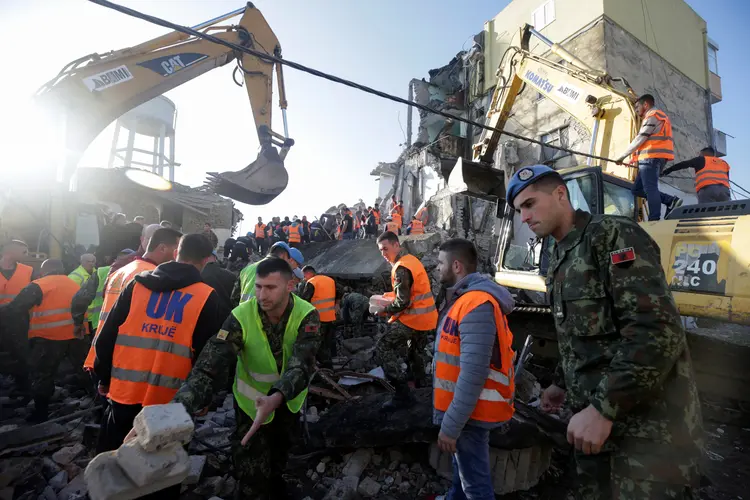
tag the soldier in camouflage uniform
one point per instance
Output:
(625, 364)
(354, 311)
(413, 318)
(260, 451)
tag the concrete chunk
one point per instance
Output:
(197, 462)
(64, 456)
(146, 467)
(76, 488)
(368, 488)
(357, 463)
(159, 425)
(107, 481)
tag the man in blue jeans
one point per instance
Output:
(472, 366)
(652, 148)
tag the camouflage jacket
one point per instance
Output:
(401, 287)
(622, 345)
(214, 365)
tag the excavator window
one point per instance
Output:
(618, 200)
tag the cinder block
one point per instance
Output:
(160, 425)
(145, 467)
(107, 481)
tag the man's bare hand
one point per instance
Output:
(552, 399)
(103, 390)
(588, 430)
(79, 331)
(264, 405)
(446, 444)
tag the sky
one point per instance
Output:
(341, 134)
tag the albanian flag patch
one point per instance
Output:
(622, 256)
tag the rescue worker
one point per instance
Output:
(222, 281)
(324, 293)
(413, 317)
(272, 339)
(626, 368)
(347, 224)
(354, 311)
(376, 212)
(209, 233)
(397, 207)
(158, 327)
(244, 288)
(398, 220)
(651, 149)
(305, 229)
(14, 276)
(392, 227)
(473, 382)
(711, 176)
(160, 249)
(294, 233)
(422, 214)
(51, 334)
(416, 227)
(146, 234)
(82, 273)
(260, 236)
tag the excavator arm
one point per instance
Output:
(91, 92)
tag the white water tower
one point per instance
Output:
(154, 121)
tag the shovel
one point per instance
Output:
(258, 183)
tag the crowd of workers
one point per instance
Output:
(170, 324)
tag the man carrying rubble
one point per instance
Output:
(413, 317)
(244, 288)
(146, 346)
(472, 369)
(51, 334)
(272, 339)
(637, 427)
(324, 293)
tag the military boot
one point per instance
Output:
(401, 399)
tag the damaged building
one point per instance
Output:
(606, 35)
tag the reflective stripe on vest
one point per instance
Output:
(324, 297)
(392, 227)
(421, 313)
(20, 278)
(260, 231)
(79, 275)
(256, 366)
(95, 308)
(657, 146)
(52, 318)
(715, 171)
(293, 232)
(114, 285)
(397, 219)
(376, 213)
(154, 349)
(495, 402)
(417, 227)
(247, 282)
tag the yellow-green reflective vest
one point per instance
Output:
(247, 281)
(79, 275)
(95, 308)
(256, 366)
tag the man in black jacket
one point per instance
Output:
(167, 282)
(222, 281)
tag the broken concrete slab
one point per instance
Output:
(420, 244)
(65, 455)
(160, 425)
(76, 488)
(357, 463)
(144, 467)
(351, 259)
(357, 344)
(107, 481)
(197, 462)
(59, 481)
(19, 438)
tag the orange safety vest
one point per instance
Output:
(153, 354)
(324, 298)
(392, 227)
(657, 146)
(52, 319)
(116, 283)
(293, 233)
(17, 282)
(260, 230)
(421, 213)
(417, 227)
(376, 213)
(715, 171)
(421, 314)
(495, 403)
(397, 219)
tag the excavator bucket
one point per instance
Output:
(257, 184)
(476, 179)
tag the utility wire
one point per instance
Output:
(273, 59)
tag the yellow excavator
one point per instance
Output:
(704, 247)
(92, 91)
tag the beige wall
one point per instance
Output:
(670, 28)
(570, 16)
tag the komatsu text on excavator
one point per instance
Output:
(704, 248)
(94, 90)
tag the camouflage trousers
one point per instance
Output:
(45, 358)
(631, 476)
(259, 465)
(327, 350)
(399, 345)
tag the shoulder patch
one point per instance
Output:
(525, 174)
(622, 256)
(222, 335)
(311, 328)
